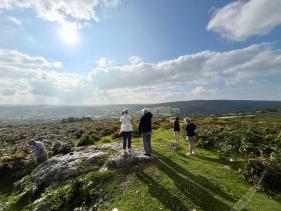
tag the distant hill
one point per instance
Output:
(219, 107)
(14, 114)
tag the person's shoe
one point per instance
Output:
(188, 154)
(125, 151)
(193, 153)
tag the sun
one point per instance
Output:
(69, 36)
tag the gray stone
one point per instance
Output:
(61, 167)
(127, 159)
(83, 159)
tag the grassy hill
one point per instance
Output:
(46, 113)
(171, 181)
(179, 182)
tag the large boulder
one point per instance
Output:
(122, 159)
(83, 159)
(61, 167)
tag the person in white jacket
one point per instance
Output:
(126, 129)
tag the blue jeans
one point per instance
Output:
(127, 136)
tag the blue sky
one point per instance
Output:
(138, 51)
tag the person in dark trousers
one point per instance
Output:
(145, 130)
(177, 130)
(190, 135)
(126, 129)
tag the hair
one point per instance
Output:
(125, 111)
(31, 141)
(144, 111)
(187, 120)
(177, 118)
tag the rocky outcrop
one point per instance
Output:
(61, 167)
(127, 159)
(83, 159)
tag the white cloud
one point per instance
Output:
(73, 14)
(15, 20)
(135, 60)
(29, 79)
(241, 19)
(198, 90)
(103, 63)
(9, 92)
(200, 68)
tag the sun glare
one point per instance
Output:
(69, 36)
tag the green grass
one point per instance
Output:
(175, 181)
(172, 181)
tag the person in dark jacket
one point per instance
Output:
(177, 130)
(145, 130)
(190, 135)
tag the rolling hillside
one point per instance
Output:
(46, 113)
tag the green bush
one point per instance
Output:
(60, 148)
(85, 141)
(94, 138)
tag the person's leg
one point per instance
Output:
(194, 145)
(189, 145)
(149, 144)
(145, 145)
(177, 136)
(124, 135)
(129, 139)
(41, 159)
(192, 141)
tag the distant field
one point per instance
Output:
(15, 115)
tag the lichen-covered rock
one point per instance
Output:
(61, 167)
(127, 159)
(83, 159)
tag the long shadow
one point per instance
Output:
(234, 164)
(200, 190)
(199, 179)
(169, 200)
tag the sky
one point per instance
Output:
(89, 52)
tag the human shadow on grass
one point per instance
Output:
(233, 164)
(169, 200)
(200, 190)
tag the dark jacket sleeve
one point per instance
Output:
(140, 125)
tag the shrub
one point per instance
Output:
(255, 168)
(94, 138)
(85, 140)
(106, 132)
(59, 148)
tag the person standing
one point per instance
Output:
(177, 130)
(145, 131)
(126, 129)
(190, 135)
(40, 152)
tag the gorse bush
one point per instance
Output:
(60, 148)
(84, 141)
